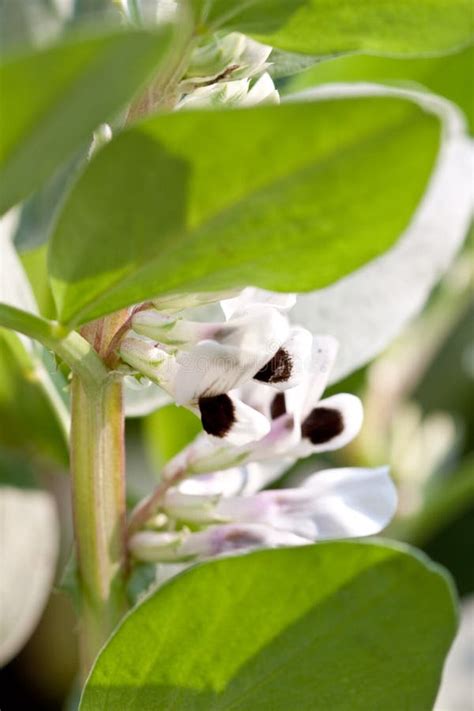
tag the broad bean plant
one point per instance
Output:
(224, 235)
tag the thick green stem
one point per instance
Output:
(97, 463)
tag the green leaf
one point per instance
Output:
(33, 411)
(34, 263)
(38, 212)
(326, 26)
(342, 625)
(287, 197)
(54, 98)
(16, 470)
(370, 307)
(449, 76)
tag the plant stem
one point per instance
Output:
(68, 345)
(97, 464)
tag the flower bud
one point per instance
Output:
(232, 94)
(211, 60)
(200, 509)
(149, 360)
(233, 56)
(173, 331)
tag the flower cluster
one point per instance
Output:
(255, 380)
(257, 383)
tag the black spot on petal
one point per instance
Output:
(322, 425)
(240, 539)
(277, 370)
(278, 406)
(217, 414)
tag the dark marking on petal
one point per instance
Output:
(278, 406)
(217, 414)
(240, 539)
(322, 425)
(277, 370)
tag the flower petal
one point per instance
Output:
(225, 416)
(234, 538)
(330, 504)
(262, 92)
(173, 331)
(290, 364)
(224, 483)
(212, 367)
(261, 474)
(300, 400)
(332, 424)
(214, 96)
(247, 479)
(192, 508)
(150, 360)
(252, 296)
(351, 501)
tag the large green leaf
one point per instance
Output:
(54, 98)
(334, 626)
(327, 26)
(33, 412)
(370, 307)
(450, 76)
(287, 197)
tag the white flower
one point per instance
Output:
(239, 331)
(261, 428)
(156, 547)
(227, 416)
(290, 364)
(301, 423)
(200, 377)
(200, 364)
(222, 415)
(336, 503)
(235, 355)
